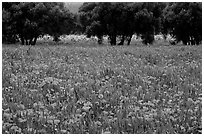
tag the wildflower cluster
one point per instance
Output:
(62, 90)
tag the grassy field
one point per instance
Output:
(121, 89)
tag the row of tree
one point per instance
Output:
(28, 21)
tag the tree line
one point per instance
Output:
(26, 21)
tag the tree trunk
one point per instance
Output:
(193, 42)
(122, 40)
(56, 38)
(164, 36)
(113, 40)
(26, 41)
(22, 40)
(185, 42)
(129, 39)
(35, 40)
(197, 42)
(31, 40)
(100, 39)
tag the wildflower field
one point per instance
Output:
(115, 90)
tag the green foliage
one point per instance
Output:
(86, 14)
(123, 20)
(8, 31)
(144, 19)
(29, 20)
(60, 21)
(111, 90)
(184, 22)
(117, 20)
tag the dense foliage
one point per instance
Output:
(102, 90)
(184, 22)
(117, 20)
(29, 20)
(144, 19)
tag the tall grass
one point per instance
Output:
(61, 89)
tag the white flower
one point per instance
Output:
(86, 108)
(100, 96)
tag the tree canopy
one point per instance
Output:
(122, 20)
(144, 19)
(184, 22)
(29, 20)
(117, 20)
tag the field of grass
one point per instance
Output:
(120, 89)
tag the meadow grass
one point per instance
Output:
(111, 89)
